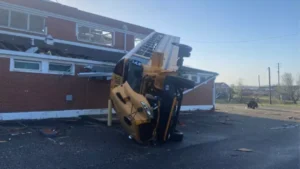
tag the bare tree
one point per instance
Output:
(289, 88)
(238, 90)
(231, 92)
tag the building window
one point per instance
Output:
(27, 65)
(43, 66)
(60, 68)
(22, 21)
(83, 33)
(202, 79)
(37, 24)
(195, 79)
(18, 20)
(137, 41)
(94, 35)
(186, 76)
(4, 14)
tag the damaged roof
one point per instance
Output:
(68, 11)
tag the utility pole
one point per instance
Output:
(269, 69)
(278, 71)
(258, 81)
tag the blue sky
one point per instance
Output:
(237, 39)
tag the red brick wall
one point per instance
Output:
(37, 92)
(129, 42)
(202, 95)
(119, 40)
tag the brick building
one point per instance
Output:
(47, 50)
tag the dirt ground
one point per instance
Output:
(291, 113)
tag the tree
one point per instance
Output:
(238, 90)
(231, 92)
(289, 88)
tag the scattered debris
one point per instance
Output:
(285, 126)
(244, 150)
(52, 140)
(225, 123)
(233, 155)
(14, 134)
(63, 137)
(9, 139)
(3, 141)
(61, 143)
(49, 132)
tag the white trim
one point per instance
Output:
(95, 74)
(214, 94)
(24, 55)
(49, 14)
(37, 115)
(62, 41)
(205, 82)
(196, 107)
(125, 41)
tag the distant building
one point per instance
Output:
(203, 95)
(222, 90)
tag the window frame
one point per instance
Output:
(8, 19)
(13, 68)
(29, 19)
(72, 69)
(28, 22)
(43, 66)
(195, 76)
(90, 30)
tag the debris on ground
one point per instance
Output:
(14, 134)
(285, 126)
(61, 143)
(3, 141)
(63, 137)
(52, 140)
(244, 150)
(225, 123)
(49, 132)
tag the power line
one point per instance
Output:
(246, 41)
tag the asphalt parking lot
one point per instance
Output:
(211, 141)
